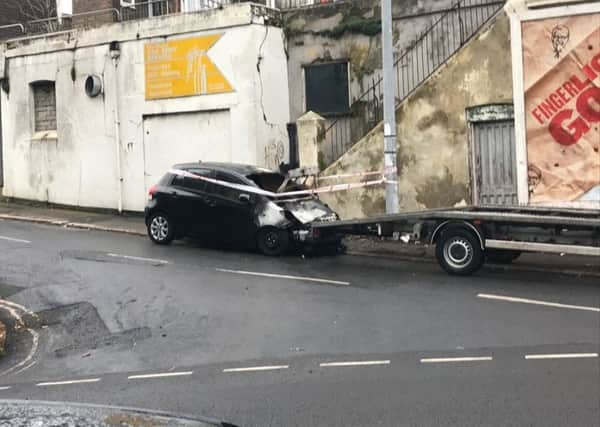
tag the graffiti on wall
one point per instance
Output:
(561, 71)
(274, 154)
(182, 68)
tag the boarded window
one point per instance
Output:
(44, 102)
(327, 88)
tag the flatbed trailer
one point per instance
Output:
(465, 237)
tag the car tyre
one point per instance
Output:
(160, 229)
(459, 252)
(273, 241)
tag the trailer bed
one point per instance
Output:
(466, 237)
(516, 214)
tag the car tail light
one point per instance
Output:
(151, 192)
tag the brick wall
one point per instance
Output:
(143, 9)
(10, 14)
(17, 11)
(44, 101)
(80, 6)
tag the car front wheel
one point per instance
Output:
(273, 241)
(160, 229)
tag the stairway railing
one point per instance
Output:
(425, 55)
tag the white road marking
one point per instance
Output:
(19, 306)
(257, 368)
(12, 308)
(561, 356)
(355, 363)
(137, 258)
(24, 368)
(456, 359)
(284, 276)
(537, 302)
(161, 375)
(12, 239)
(86, 381)
(4, 388)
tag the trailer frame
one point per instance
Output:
(466, 237)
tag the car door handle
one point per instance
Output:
(174, 193)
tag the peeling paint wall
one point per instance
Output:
(433, 156)
(79, 165)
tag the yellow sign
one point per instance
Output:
(182, 68)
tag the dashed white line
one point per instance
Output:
(537, 302)
(12, 239)
(355, 363)
(561, 356)
(4, 388)
(161, 375)
(284, 276)
(257, 368)
(53, 383)
(456, 359)
(137, 258)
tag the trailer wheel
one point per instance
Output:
(502, 256)
(459, 252)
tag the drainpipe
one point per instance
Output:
(115, 54)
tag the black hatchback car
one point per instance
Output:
(191, 200)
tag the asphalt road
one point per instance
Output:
(295, 341)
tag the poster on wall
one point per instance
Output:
(561, 76)
(180, 68)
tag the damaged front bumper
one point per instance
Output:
(316, 236)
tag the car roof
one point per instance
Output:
(238, 168)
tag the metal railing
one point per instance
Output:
(145, 10)
(419, 61)
(296, 4)
(12, 30)
(51, 25)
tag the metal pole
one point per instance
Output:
(115, 54)
(389, 111)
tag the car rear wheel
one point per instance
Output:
(273, 241)
(160, 229)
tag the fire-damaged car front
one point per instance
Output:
(296, 213)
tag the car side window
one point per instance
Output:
(177, 181)
(227, 192)
(195, 183)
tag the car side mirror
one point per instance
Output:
(244, 198)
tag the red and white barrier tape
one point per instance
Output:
(256, 190)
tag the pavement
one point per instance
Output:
(18, 413)
(128, 223)
(132, 223)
